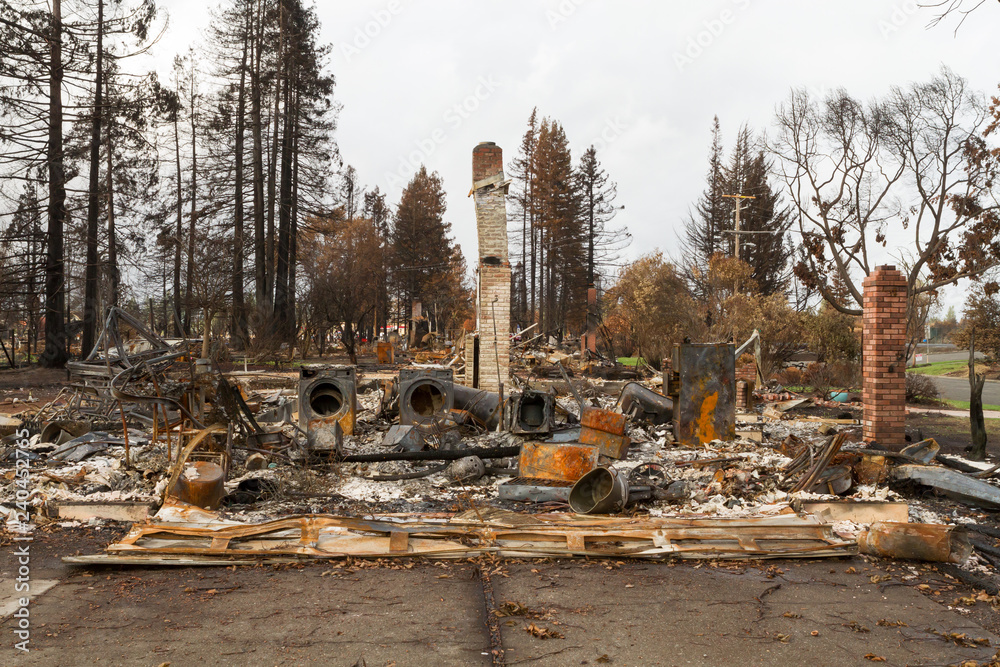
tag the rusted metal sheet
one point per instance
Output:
(606, 431)
(566, 462)
(201, 483)
(952, 483)
(858, 511)
(328, 395)
(705, 409)
(385, 353)
(916, 541)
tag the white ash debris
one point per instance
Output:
(920, 514)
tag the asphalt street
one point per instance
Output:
(957, 389)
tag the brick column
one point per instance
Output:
(884, 357)
(746, 378)
(490, 191)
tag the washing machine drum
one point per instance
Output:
(327, 398)
(422, 399)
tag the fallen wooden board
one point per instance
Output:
(183, 561)
(953, 483)
(862, 511)
(501, 533)
(111, 511)
(757, 436)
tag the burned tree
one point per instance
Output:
(859, 176)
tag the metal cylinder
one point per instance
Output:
(600, 491)
(916, 541)
(644, 403)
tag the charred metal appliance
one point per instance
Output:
(547, 471)
(703, 389)
(605, 430)
(426, 393)
(328, 395)
(639, 402)
(530, 413)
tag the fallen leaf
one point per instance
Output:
(542, 633)
(874, 658)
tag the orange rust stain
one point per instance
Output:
(706, 422)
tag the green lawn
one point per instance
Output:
(630, 361)
(941, 368)
(964, 405)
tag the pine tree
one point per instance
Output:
(597, 203)
(523, 224)
(424, 257)
(703, 231)
(562, 259)
(764, 223)
(768, 251)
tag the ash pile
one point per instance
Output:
(410, 460)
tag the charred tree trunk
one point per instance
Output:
(55, 352)
(238, 324)
(188, 291)
(977, 451)
(269, 259)
(114, 275)
(260, 267)
(281, 301)
(178, 240)
(90, 314)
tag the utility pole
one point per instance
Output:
(739, 207)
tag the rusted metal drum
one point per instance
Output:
(600, 491)
(201, 483)
(916, 541)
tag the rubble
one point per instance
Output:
(340, 460)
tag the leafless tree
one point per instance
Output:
(908, 164)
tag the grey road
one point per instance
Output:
(808, 612)
(949, 356)
(957, 389)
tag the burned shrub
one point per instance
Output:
(920, 387)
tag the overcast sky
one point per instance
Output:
(426, 80)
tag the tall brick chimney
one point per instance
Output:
(884, 358)
(493, 303)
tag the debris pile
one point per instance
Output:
(334, 461)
